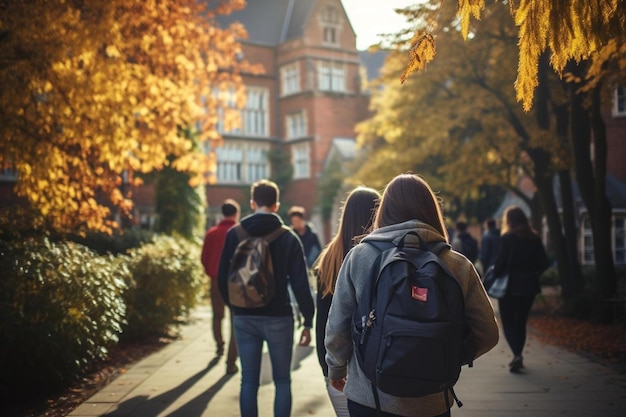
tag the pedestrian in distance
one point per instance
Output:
(465, 243)
(308, 237)
(409, 212)
(273, 321)
(523, 257)
(211, 254)
(355, 222)
(489, 245)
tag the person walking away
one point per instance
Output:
(464, 243)
(308, 237)
(523, 256)
(489, 245)
(408, 205)
(211, 254)
(355, 223)
(272, 323)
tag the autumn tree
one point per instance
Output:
(458, 122)
(567, 34)
(93, 89)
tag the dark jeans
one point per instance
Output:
(514, 311)
(358, 410)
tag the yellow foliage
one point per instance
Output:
(422, 52)
(90, 92)
(568, 30)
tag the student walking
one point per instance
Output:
(355, 223)
(523, 257)
(272, 323)
(211, 253)
(489, 245)
(408, 212)
(308, 237)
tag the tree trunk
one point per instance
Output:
(544, 172)
(573, 283)
(592, 184)
(606, 275)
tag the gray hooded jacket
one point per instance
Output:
(351, 282)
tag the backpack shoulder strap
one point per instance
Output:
(270, 237)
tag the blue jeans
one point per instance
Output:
(250, 333)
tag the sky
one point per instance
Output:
(372, 17)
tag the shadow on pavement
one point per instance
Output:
(154, 406)
(196, 406)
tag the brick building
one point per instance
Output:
(310, 94)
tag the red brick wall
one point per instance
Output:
(616, 138)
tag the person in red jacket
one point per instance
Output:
(211, 254)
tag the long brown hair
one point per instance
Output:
(409, 197)
(356, 221)
(514, 220)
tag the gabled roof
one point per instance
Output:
(271, 22)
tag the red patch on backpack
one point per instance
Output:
(419, 294)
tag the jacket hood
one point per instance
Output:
(394, 233)
(259, 224)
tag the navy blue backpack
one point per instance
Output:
(409, 332)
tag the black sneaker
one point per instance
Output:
(516, 364)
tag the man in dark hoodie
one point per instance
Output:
(273, 323)
(308, 237)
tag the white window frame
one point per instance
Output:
(226, 103)
(619, 102)
(229, 163)
(255, 115)
(586, 246)
(296, 125)
(331, 76)
(256, 165)
(301, 160)
(242, 163)
(290, 79)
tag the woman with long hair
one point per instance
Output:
(355, 222)
(408, 205)
(524, 258)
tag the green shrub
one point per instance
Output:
(167, 281)
(120, 242)
(61, 306)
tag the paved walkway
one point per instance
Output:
(181, 380)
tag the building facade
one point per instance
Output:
(309, 94)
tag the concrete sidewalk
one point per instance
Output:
(182, 380)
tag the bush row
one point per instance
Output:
(62, 306)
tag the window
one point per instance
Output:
(331, 23)
(226, 101)
(257, 165)
(620, 240)
(619, 107)
(296, 125)
(301, 161)
(331, 76)
(254, 115)
(290, 78)
(229, 161)
(239, 163)
(330, 35)
(587, 246)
